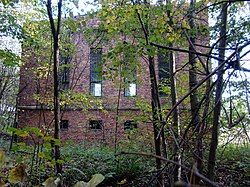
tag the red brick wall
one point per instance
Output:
(31, 84)
(30, 113)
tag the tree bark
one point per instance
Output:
(194, 101)
(155, 101)
(218, 93)
(155, 115)
(176, 118)
(55, 29)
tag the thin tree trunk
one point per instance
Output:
(55, 29)
(176, 117)
(156, 124)
(194, 101)
(218, 94)
(117, 109)
(155, 101)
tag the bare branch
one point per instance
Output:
(173, 162)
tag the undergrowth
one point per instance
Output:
(233, 165)
(81, 163)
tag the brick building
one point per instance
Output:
(100, 108)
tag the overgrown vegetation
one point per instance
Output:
(196, 115)
(81, 162)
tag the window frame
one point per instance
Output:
(93, 74)
(128, 82)
(131, 125)
(127, 91)
(163, 65)
(98, 122)
(64, 72)
(62, 122)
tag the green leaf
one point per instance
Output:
(8, 58)
(41, 155)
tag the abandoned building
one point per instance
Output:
(100, 108)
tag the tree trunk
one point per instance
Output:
(176, 117)
(55, 29)
(156, 124)
(218, 94)
(155, 101)
(194, 101)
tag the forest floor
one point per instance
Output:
(81, 162)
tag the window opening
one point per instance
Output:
(64, 124)
(130, 80)
(163, 72)
(96, 72)
(129, 125)
(64, 72)
(95, 124)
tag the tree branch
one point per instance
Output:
(173, 162)
(184, 51)
(200, 83)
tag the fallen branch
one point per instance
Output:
(194, 171)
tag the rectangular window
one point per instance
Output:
(64, 72)
(129, 125)
(130, 90)
(163, 71)
(96, 89)
(130, 81)
(95, 124)
(64, 124)
(96, 72)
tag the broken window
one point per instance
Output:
(163, 72)
(64, 72)
(130, 80)
(96, 72)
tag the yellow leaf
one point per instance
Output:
(124, 181)
(51, 182)
(185, 25)
(2, 184)
(2, 158)
(95, 180)
(23, 134)
(81, 184)
(17, 174)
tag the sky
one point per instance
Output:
(245, 61)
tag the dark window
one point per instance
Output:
(64, 72)
(64, 124)
(163, 71)
(95, 124)
(95, 72)
(129, 125)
